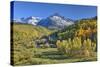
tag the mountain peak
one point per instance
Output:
(29, 20)
(55, 21)
(56, 14)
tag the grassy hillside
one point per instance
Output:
(23, 41)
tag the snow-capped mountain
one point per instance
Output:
(29, 20)
(32, 20)
(55, 22)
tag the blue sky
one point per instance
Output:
(43, 10)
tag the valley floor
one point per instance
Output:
(52, 56)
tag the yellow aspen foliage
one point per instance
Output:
(76, 46)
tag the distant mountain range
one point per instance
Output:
(54, 21)
(29, 20)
